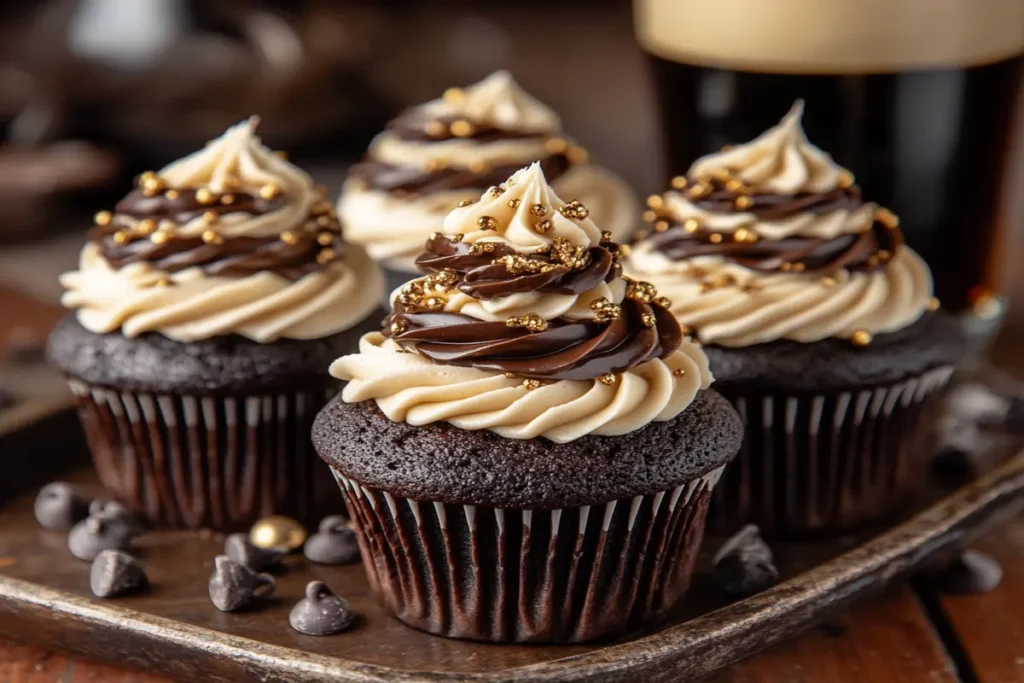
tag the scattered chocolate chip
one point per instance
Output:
(743, 565)
(241, 550)
(333, 543)
(95, 534)
(321, 612)
(58, 506)
(969, 573)
(115, 513)
(115, 572)
(234, 586)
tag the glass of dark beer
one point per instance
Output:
(921, 99)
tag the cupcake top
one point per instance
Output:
(450, 149)
(771, 240)
(232, 239)
(526, 327)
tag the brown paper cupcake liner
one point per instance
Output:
(208, 462)
(817, 462)
(503, 575)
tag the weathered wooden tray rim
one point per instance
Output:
(692, 649)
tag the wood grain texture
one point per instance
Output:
(26, 664)
(990, 627)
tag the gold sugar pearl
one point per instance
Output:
(431, 165)
(538, 210)
(479, 166)
(577, 155)
(744, 235)
(786, 266)
(663, 301)
(487, 223)
(648, 319)
(861, 338)
(691, 225)
(655, 201)
(543, 226)
(325, 256)
(845, 179)
(289, 237)
(714, 238)
(211, 237)
(799, 267)
(510, 375)
(464, 203)
(172, 194)
(555, 145)
(608, 379)
(103, 218)
(398, 327)
(661, 226)
(933, 304)
(457, 237)
(734, 186)
(514, 203)
(146, 226)
(884, 255)
(210, 216)
(121, 237)
(325, 239)
(454, 95)
(324, 221)
(461, 128)
(606, 236)
(531, 384)
(649, 216)
(204, 196)
(270, 191)
(744, 202)
(679, 182)
(496, 191)
(277, 531)
(678, 372)
(699, 190)
(160, 237)
(828, 281)
(227, 199)
(434, 303)
(434, 129)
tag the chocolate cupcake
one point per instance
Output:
(206, 306)
(819, 323)
(448, 151)
(529, 446)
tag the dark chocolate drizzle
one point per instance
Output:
(227, 256)
(380, 176)
(412, 124)
(566, 349)
(863, 251)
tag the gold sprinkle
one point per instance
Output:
(398, 327)
(828, 281)
(845, 179)
(461, 128)
(324, 221)
(655, 201)
(624, 251)
(641, 291)
(434, 303)
(699, 191)
(454, 95)
(163, 282)
(211, 237)
(786, 266)
(679, 182)
(678, 372)
(496, 191)
(479, 166)
(281, 154)
(577, 155)
(933, 304)
(606, 236)
(543, 226)
(325, 256)
(555, 145)
(172, 194)
(510, 375)
(487, 223)
(104, 218)
(861, 338)
(479, 248)
(325, 239)
(605, 310)
(211, 217)
(457, 237)
(531, 384)
(734, 186)
(204, 196)
(721, 174)
(608, 379)
(514, 203)
(227, 199)
(649, 216)
(887, 218)
(465, 202)
(714, 238)
(434, 129)
(160, 236)
(744, 202)
(270, 191)
(663, 301)
(146, 226)
(289, 237)
(121, 237)
(648, 319)
(538, 210)
(884, 254)
(661, 226)
(431, 165)
(691, 225)
(531, 322)
(799, 267)
(744, 235)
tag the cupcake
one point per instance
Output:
(448, 151)
(529, 446)
(206, 306)
(819, 323)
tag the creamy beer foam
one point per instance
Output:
(831, 36)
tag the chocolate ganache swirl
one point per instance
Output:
(772, 240)
(451, 149)
(232, 239)
(525, 325)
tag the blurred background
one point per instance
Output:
(921, 98)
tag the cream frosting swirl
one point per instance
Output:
(410, 387)
(190, 304)
(393, 227)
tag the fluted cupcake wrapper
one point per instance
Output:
(817, 462)
(205, 461)
(502, 575)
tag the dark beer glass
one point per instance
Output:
(921, 99)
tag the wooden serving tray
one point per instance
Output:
(174, 629)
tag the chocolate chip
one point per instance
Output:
(234, 586)
(58, 506)
(969, 573)
(95, 534)
(115, 572)
(241, 550)
(743, 565)
(321, 612)
(333, 543)
(114, 513)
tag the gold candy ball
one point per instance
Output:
(277, 531)
(861, 338)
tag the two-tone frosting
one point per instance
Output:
(232, 239)
(771, 240)
(525, 326)
(451, 149)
